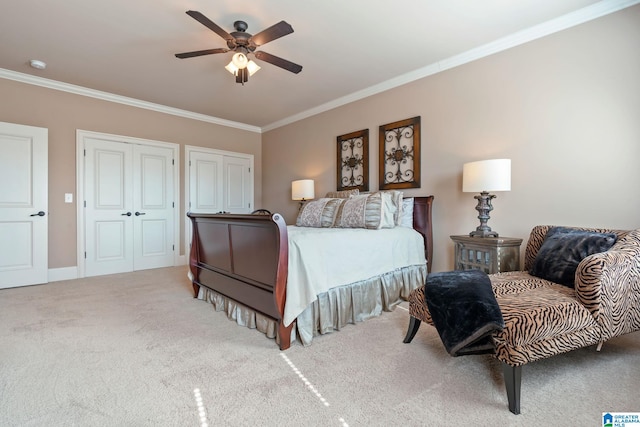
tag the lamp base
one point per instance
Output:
(483, 233)
(484, 207)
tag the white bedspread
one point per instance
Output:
(324, 258)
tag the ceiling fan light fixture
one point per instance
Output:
(252, 67)
(230, 67)
(242, 74)
(240, 60)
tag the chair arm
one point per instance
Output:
(608, 285)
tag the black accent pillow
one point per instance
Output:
(563, 249)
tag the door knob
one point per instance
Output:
(41, 213)
(127, 214)
(140, 213)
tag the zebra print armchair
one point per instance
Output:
(543, 318)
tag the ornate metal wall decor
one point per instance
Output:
(400, 154)
(353, 161)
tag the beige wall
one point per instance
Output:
(62, 113)
(565, 109)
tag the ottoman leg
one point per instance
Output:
(512, 380)
(414, 325)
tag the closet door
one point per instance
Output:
(217, 181)
(153, 204)
(237, 179)
(129, 205)
(108, 207)
(205, 182)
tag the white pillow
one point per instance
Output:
(406, 218)
(389, 210)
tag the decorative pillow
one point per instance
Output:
(366, 211)
(406, 217)
(563, 249)
(390, 208)
(344, 194)
(396, 197)
(319, 213)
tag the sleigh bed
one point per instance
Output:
(294, 282)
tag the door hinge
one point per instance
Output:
(249, 170)
(85, 203)
(85, 152)
(85, 255)
(173, 247)
(173, 162)
(173, 204)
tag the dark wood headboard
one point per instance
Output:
(422, 224)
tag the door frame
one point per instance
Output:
(80, 196)
(188, 149)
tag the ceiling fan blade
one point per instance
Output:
(209, 24)
(273, 32)
(200, 53)
(278, 62)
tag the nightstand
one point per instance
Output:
(489, 254)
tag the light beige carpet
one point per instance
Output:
(137, 350)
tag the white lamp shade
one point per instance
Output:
(302, 189)
(486, 175)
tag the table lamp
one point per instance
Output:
(302, 190)
(482, 177)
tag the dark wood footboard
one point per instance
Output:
(244, 258)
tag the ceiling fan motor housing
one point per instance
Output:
(240, 26)
(241, 41)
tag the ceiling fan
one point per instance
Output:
(243, 44)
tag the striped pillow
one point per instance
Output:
(319, 213)
(344, 194)
(372, 211)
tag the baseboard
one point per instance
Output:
(70, 273)
(64, 273)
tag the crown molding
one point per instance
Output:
(563, 22)
(106, 96)
(569, 20)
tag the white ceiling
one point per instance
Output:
(348, 48)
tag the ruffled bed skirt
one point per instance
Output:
(333, 309)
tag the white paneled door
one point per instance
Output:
(130, 204)
(205, 182)
(220, 182)
(23, 205)
(238, 185)
(217, 181)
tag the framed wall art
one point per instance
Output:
(400, 154)
(353, 161)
